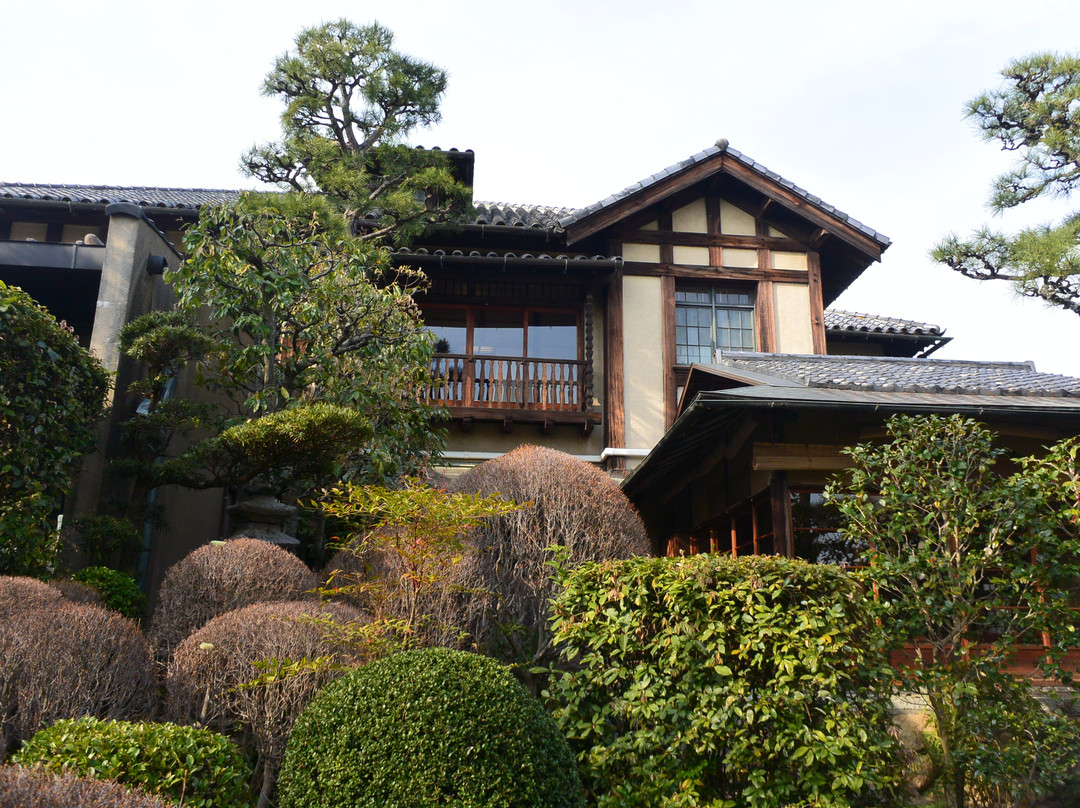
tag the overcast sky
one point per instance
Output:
(564, 103)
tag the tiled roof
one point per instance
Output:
(541, 217)
(182, 198)
(839, 320)
(712, 151)
(902, 375)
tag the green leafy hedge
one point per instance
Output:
(118, 590)
(756, 682)
(192, 767)
(51, 394)
(428, 728)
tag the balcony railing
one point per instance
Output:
(508, 382)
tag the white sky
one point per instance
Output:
(566, 102)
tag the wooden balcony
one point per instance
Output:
(514, 389)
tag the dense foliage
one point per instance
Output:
(564, 502)
(51, 395)
(118, 590)
(350, 101)
(65, 660)
(757, 682)
(427, 728)
(1035, 114)
(222, 576)
(184, 765)
(22, 787)
(971, 561)
(19, 593)
(210, 673)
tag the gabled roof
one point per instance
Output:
(839, 320)
(174, 198)
(720, 149)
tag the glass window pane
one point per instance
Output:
(448, 326)
(499, 333)
(553, 335)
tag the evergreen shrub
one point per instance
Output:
(118, 590)
(188, 766)
(703, 680)
(217, 578)
(23, 787)
(433, 727)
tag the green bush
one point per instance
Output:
(427, 728)
(117, 589)
(22, 787)
(193, 767)
(51, 394)
(101, 537)
(757, 682)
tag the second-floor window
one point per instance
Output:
(504, 332)
(711, 317)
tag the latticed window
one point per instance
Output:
(711, 317)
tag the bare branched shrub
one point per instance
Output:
(565, 502)
(18, 593)
(218, 578)
(22, 787)
(306, 649)
(76, 591)
(67, 660)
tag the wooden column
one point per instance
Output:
(766, 317)
(817, 304)
(780, 498)
(587, 381)
(614, 387)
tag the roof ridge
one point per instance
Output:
(922, 361)
(4, 184)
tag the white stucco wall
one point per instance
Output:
(793, 331)
(643, 359)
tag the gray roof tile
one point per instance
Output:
(851, 321)
(180, 198)
(889, 374)
(510, 215)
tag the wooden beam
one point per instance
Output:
(639, 200)
(766, 317)
(707, 240)
(799, 457)
(725, 450)
(714, 272)
(817, 303)
(820, 236)
(807, 210)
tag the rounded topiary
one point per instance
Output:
(433, 727)
(19, 593)
(208, 668)
(219, 577)
(65, 660)
(565, 502)
(118, 590)
(77, 592)
(23, 787)
(181, 764)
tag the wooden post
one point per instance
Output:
(614, 392)
(780, 498)
(734, 539)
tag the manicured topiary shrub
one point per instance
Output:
(695, 681)
(23, 787)
(427, 728)
(19, 593)
(65, 660)
(218, 578)
(208, 668)
(565, 502)
(118, 590)
(184, 765)
(77, 592)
